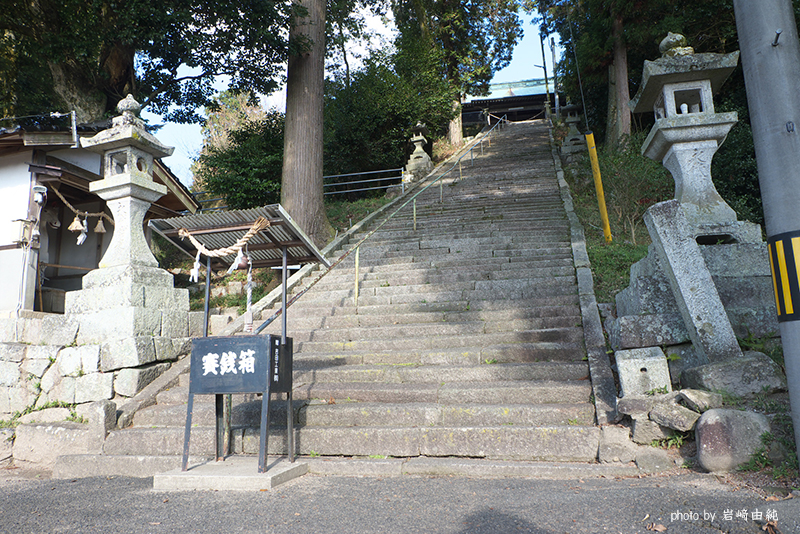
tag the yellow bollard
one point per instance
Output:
(598, 185)
(355, 292)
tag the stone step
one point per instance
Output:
(571, 443)
(386, 330)
(494, 392)
(360, 414)
(514, 353)
(369, 277)
(564, 336)
(398, 296)
(494, 321)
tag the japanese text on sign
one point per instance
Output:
(229, 363)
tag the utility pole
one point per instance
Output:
(770, 54)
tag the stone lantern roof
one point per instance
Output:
(680, 64)
(127, 130)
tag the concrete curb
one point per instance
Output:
(603, 386)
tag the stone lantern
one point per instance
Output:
(678, 88)
(419, 163)
(129, 306)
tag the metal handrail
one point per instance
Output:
(400, 176)
(503, 120)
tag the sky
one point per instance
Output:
(187, 139)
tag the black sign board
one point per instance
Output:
(239, 364)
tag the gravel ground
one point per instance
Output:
(682, 503)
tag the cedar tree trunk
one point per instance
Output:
(301, 180)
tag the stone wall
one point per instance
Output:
(45, 365)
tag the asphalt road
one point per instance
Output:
(317, 504)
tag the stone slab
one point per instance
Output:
(41, 444)
(642, 370)
(233, 474)
(691, 282)
(745, 376)
(637, 331)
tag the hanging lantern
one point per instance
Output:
(76, 225)
(100, 228)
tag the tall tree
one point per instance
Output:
(475, 37)
(166, 53)
(301, 180)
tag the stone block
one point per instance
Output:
(700, 401)
(640, 405)
(637, 331)
(615, 445)
(99, 326)
(129, 382)
(674, 416)
(646, 296)
(6, 443)
(41, 444)
(165, 348)
(94, 387)
(745, 376)
(50, 378)
(737, 259)
(127, 276)
(99, 413)
(49, 415)
(680, 357)
(217, 323)
(35, 366)
(181, 346)
(64, 390)
(5, 404)
(691, 283)
(646, 431)
(175, 323)
(12, 352)
(653, 460)
(9, 373)
(69, 361)
(196, 319)
(642, 370)
(129, 352)
(59, 330)
(728, 438)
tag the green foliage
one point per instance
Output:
(632, 183)
(248, 172)
(474, 37)
(674, 441)
(758, 461)
(768, 344)
(98, 51)
(343, 213)
(368, 121)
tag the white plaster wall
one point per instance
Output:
(15, 183)
(85, 255)
(82, 158)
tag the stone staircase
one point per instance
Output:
(466, 339)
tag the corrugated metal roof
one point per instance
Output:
(224, 228)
